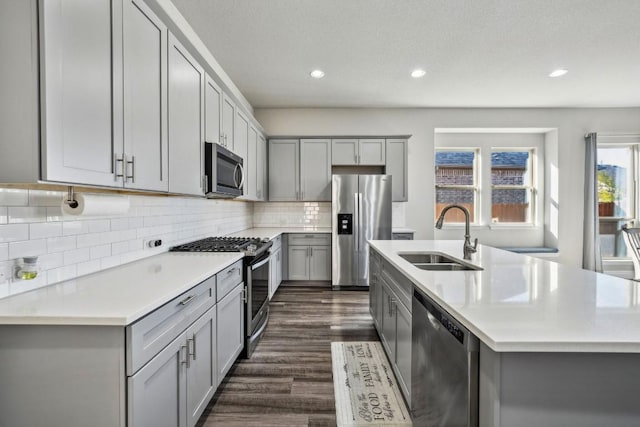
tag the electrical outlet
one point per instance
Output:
(6, 273)
(154, 243)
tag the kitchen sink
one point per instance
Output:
(434, 261)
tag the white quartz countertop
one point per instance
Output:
(519, 303)
(117, 296)
(272, 232)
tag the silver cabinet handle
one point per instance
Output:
(187, 300)
(117, 160)
(192, 340)
(205, 183)
(132, 162)
(186, 360)
(311, 251)
(244, 294)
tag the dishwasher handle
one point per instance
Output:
(440, 319)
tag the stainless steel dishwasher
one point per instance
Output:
(444, 368)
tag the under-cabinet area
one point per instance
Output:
(78, 361)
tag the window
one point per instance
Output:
(511, 186)
(456, 182)
(616, 195)
(497, 176)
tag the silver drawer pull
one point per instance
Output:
(231, 271)
(187, 300)
(186, 360)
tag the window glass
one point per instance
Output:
(616, 198)
(456, 183)
(511, 192)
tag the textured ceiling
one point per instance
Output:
(477, 53)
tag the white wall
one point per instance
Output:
(571, 125)
(31, 223)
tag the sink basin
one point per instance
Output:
(434, 261)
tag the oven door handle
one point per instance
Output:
(262, 262)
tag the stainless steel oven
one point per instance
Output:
(257, 295)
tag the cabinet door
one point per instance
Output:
(284, 164)
(388, 320)
(315, 169)
(251, 162)
(273, 275)
(230, 330)
(212, 110)
(319, 263)
(397, 168)
(261, 169)
(77, 133)
(299, 262)
(186, 88)
(145, 98)
(403, 349)
(371, 151)
(202, 373)
(157, 392)
(278, 268)
(344, 151)
(228, 121)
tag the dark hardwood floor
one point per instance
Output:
(288, 380)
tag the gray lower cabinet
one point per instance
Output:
(390, 306)
(275, 266)
(309, 257)
(230, 329)
(174, 388)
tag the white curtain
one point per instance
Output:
(591, 259)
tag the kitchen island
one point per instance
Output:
(559, 346)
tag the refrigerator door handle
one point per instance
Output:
(356, 225)
(360, 231)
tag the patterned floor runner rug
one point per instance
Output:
(365, 387)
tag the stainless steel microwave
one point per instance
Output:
(224, 172)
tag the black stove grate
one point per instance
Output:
(218, 244)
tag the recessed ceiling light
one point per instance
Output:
(317, 74)
(416, 74)
(559, 72)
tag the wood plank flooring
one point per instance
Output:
(288, 380)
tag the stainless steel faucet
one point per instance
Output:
(468, 248)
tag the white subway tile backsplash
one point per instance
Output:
(14, 232)
(75, 256)
(72, 228)
(100, 251)
(27, 248)
(13, 197)
(32, 223)
(61, 244)
(41, 230)
(26, 214)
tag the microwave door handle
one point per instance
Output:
(242, 176)
(235, 173)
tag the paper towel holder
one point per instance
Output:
(71, 198)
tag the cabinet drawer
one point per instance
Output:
(319, 239)
(228, 278)
(149, 335)
(398, 283)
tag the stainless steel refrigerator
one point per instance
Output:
(361, 211)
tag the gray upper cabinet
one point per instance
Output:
(228, 122)
(76, 88)
(284, 166)
(186, 128)
(315, 169)
(145, 157)
(261, 168)
(213, 111)
(300, 170)
(344, 151)
(251, 163)
(241, 146)
(358, 152)
(397, 159)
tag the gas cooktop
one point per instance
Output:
(251, 246)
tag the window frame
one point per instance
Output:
(485, 143)
(531, 188)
